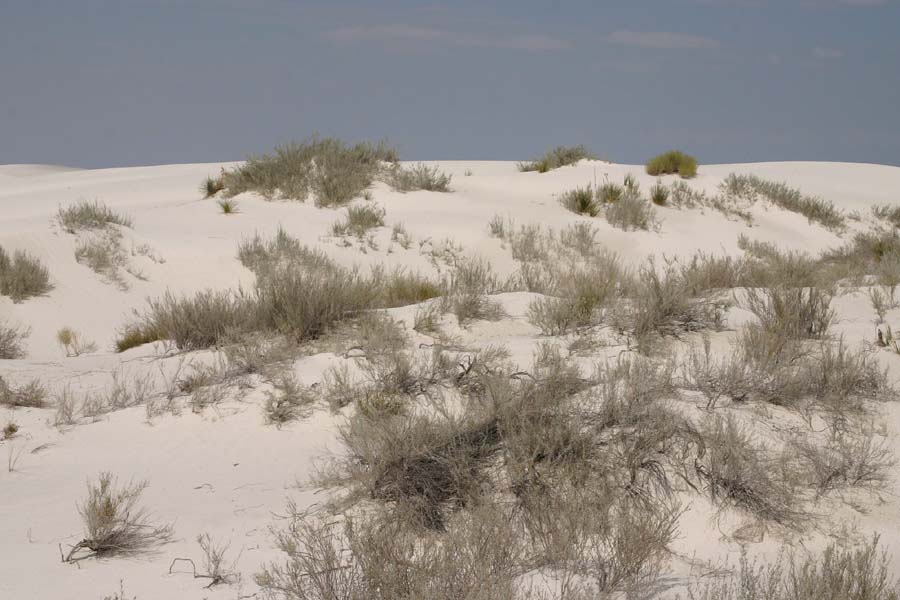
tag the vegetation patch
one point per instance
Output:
(560, 156)
(22, 276)
(672, 162)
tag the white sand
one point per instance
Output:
(225, 472)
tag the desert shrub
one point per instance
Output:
(32, 394)
(673, 162)
(631, 212)
(580, 201)
(661, 304)
(797, 313)
(212, 186)
(196, 322)
(22, 276)
(771, 267)
(840, 378)
(360, 219)
(838, 573)
(609, 192)
(528, 243)
(472, 280)
(400, 287)
(659, 194)
(9, 430)
(740, 471)
(631, 183)
(377, 558)
(114, 521)
(332, 170)
(12, 340)
(133, 335)
(779, 194)
(265, 257)
(850, 456)
(704, 273)
(288, 401)
(888, 213)
(73, 343)
(419, 177)
(714, 378)
(580, 238)
(560, 156)
(90, 215)
(227, 206)
(579, 296)
(104, 254)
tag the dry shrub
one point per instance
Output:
(360, 219)
(814, 209)
(90, 215)
(418, 177)
(267, 257)
(560, 156)
(472, 280)
(288, 401)
(838, 573)
(22, 276)
(114, 521)
(32, 394)
(12, 340)
(740, 471)
(73, 343)
(797, 313)
(630, 212)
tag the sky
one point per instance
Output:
(106, 83)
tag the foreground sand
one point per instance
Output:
(226, 473)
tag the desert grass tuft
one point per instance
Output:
(560, 156)
(418, 177)
(22, 276)
(212, 186)
(90, 215)
(580, 201)
(360, 220)
(673, 162)
(227, 206)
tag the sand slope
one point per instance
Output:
(223, 471)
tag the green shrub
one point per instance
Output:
(659, 194)
(418, 177)
(212, 186)
(609, 192)
(90, 215)
(581, 201)
(560, 156)
(22, 276)
(330, 169)
(673, 162)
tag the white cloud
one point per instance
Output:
(661, 40)
(428, 35)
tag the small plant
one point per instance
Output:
(214, 567)
(659, 194)
(114, 521)
(104, 254)
(227, 206)
(212, 186)
(288, 401)
(12, 341)
(673, 162)
(90, 215)
(783, 196)
(580, 201)
(32, 394)
(609, 192)
(360, 219)
(71, 341)
(10, 429)
(419, 177)
(468, 173)
(560, 156)
(631, 212)
(22, 276)
(631, 184)
(401, 236)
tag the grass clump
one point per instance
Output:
(560, 156)
(114, 521)
(331, 170)
(609, 192)
(673, 162)
(418, 177)
(471, 282)
(580, 201)
(360, 219)
(32, 394)
(837, 573)
(22, 276)
(227, 206)
(659, 194)
(72, 342)
(212, 186)
(631, 212)
(12, 340)
(90, 215)
(104, 254)
(780, 194)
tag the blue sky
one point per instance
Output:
(97, 83)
